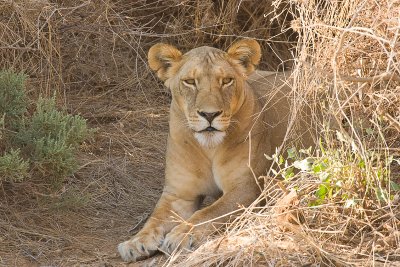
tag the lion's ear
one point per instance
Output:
(247, 53)
(161, 57)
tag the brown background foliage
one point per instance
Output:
(93, 54)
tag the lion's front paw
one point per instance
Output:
(180, 237)
(141, 246)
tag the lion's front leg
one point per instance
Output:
(188, 234)
(168, 212)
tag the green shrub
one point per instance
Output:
(47, 139)
(50, 124)
(50, 139)
(13, 103)
(340, 173)
(13, 167)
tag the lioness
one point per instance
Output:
(213, 138)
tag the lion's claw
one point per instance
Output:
(141, 246)
(179, 238)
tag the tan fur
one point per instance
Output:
(208, 80)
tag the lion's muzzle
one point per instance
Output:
(211, 133)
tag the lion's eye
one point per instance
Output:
(227, 81)
(189, 82)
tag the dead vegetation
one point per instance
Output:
(342, 208)
(93, 54)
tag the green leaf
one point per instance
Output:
(382, 194)
(324, 176)
(289, 173)
(361, 164)
(315, 202)
(317, 168)
(394, 186)
(291, 153)
(281, 159)
(322, 191)
(304, 165)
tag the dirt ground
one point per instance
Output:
(109, 198)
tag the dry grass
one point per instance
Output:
(348, 63)
(93, 53)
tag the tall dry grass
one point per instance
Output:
(103, 44)
(343, 208)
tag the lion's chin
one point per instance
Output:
(210, 139)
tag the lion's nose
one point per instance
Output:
(210, 116)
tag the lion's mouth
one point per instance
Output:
(209, 129)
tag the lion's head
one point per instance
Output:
(207, 84)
